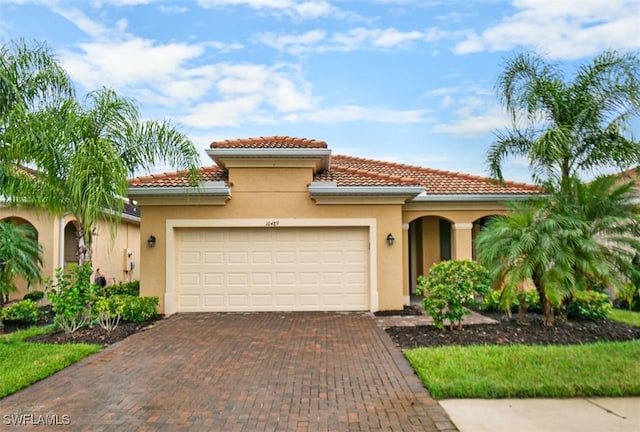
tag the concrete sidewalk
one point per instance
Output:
(545, 415)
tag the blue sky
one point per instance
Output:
(410, 81)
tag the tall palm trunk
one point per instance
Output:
(84, 248)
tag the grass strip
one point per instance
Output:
(625, 316)
(23, 363)
(525, 371)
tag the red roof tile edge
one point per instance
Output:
(527, 186)
(270, 142)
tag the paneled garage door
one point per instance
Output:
(272, 269)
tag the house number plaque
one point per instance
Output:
(272, 224)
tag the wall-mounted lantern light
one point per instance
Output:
(390, 239)
(151, 241)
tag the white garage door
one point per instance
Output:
(272, 269)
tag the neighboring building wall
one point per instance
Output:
(108, 255)
(48, 234)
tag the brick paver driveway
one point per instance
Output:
(238, 372)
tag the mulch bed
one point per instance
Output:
(407, 311)
(92, 335)
(508, 331)
(505, 332)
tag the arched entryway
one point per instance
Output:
(478, 225)
(430, 241)
(70, 244)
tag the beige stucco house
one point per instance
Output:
(116, 257)
(281, 224)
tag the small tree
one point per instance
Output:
(450, 286)
(71, 297)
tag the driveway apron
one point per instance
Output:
(236, 372)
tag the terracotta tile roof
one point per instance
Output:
(210, 173)
(351, 176)
(270, 143)
(354, 171)
(436, 182)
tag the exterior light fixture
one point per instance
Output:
(390, 239)
(151, 241)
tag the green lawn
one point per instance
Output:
(624, 316)
(23, 363)
(520, 371)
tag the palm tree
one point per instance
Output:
(20, 256)
(83, 154)
(524, 246)
(565, 242)
(32, 85)
(610, 207)
(568, 128)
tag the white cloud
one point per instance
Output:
(251, 93)
(293, 43)
(471, 111)
(172, 9)
(309, 9)
(474, 125)
(359, 38)
(80, 20)
(563, 30)
(129, 62)
(354, 113)
(230, 112)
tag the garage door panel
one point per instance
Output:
(190, 257)
(285, 257)
(213, 257)
(211, 236)
(236, 300)
(190, 280)
(189, 301)
(261, 279)
(213, 300)
(240, 279)
(261, 257)
(285, 300)
(261, 300)
(238, 257)
(246, 269)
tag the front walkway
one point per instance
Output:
(421, 320)
(238, 372)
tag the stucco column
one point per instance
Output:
(406, 290)
(462, 241)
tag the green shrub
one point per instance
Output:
(136, 309)
(122, 288)
(533, 300)
(108, 312)
(589, 305)
(450, 286)
(71, 297)
(23, 312)
(629, 296)
(35, 295)
(491, 302)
